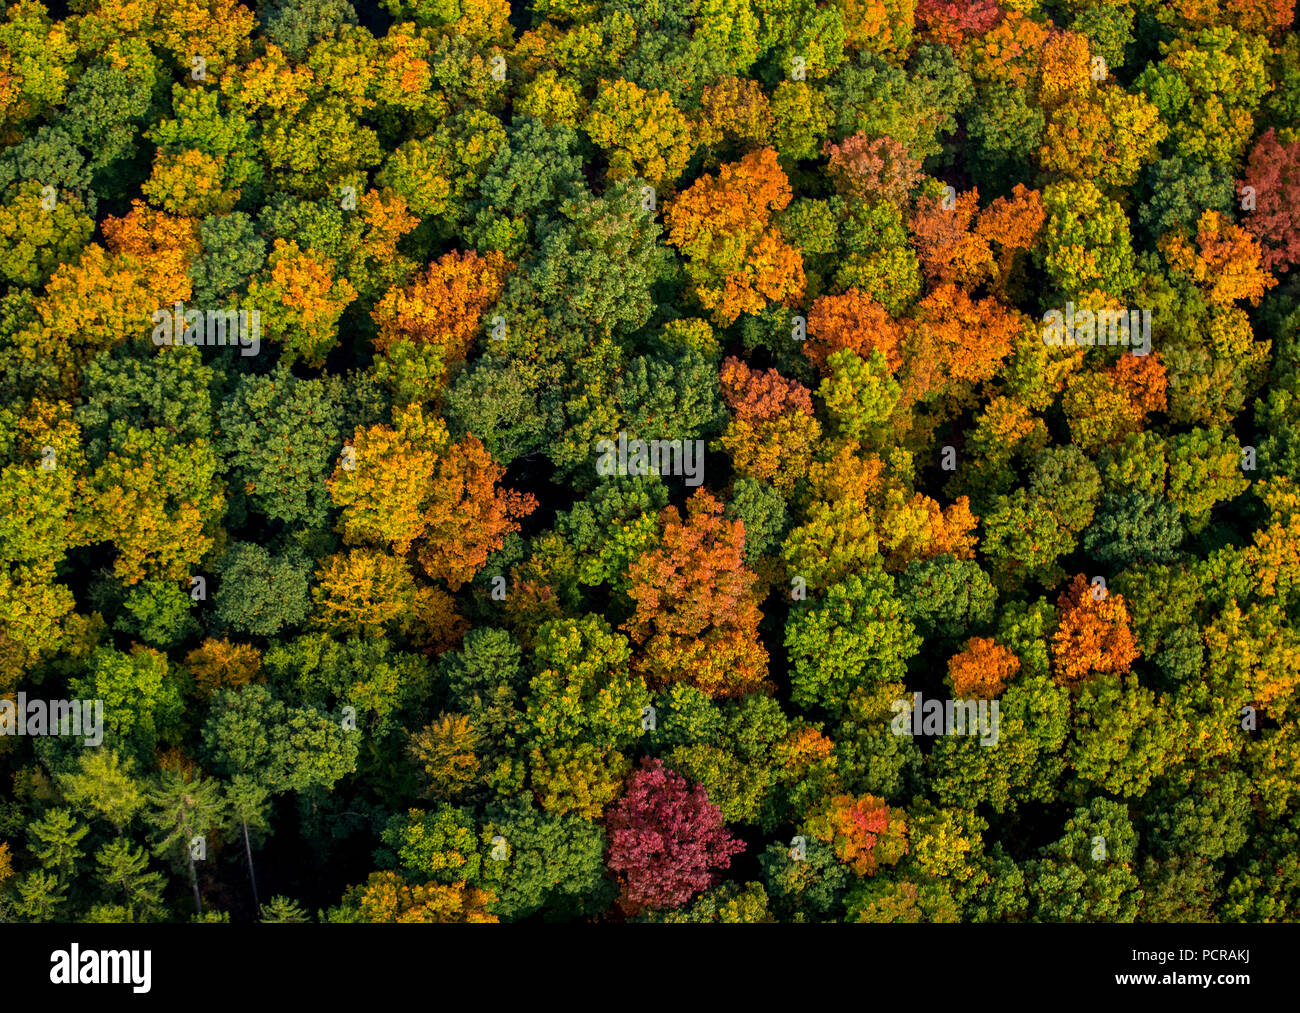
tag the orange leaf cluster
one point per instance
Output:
(1093, 636)
(445, 305)
(946, 244)
(466, 516)
(1227, 262)
(696, 605)
(851, 320)
(737, 262)
(774, 430)
(865, 833)
(982, 669)
(956, 338)
(965, 244)
(1143, 378)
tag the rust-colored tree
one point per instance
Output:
(949, 246)
(467, 515)
(873, 169)
(851, 320)
(1273, 175)
(954, 22)
(1011, 226)
(697, 615)
(774, 430)
(220, 664)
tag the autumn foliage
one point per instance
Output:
(444, 307)
(696, 604)
(983, 668)
(865, 833)
(373, 611)
(665, 839)
(1093, 636)
(855, 321)
(737, 261)
(1273, 174)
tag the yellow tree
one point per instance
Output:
(917, 527)
(158, 501)
(364, 592)
(409, 484)
(644, 133)
(41, 451)
(444, 750)
(110, 295)
(216, 31)
(382, 478)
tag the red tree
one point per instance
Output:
(1274, 172)
(666, 840)
(952, 22)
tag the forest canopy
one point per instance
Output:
(649, 460)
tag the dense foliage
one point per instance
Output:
(628, 415)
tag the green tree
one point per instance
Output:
(279, 437)
(858, 634)
(123, 867)
(946, 596)
(261, 593)
(54, 841)
(142, 700)
(249, 732)
(103, 785)
(246, 802)
(1087, 875)
(554, 865)
(183, 812)
(282, 910)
